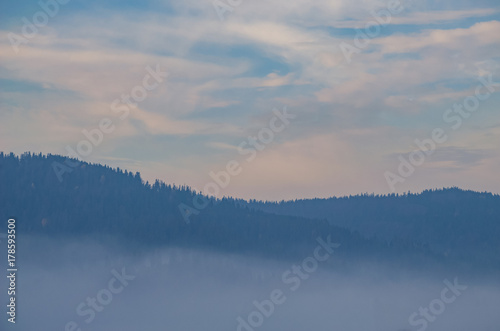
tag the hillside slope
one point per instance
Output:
(452, 222)
(98, 200)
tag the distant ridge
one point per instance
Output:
(435, 226)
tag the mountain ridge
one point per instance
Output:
(98, 199)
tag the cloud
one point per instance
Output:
(225, 77)
(480, 34)
(422, 17)
(458, 157)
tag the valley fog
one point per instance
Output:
(106, 287)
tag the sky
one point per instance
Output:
(267, 99)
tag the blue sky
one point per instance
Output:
(353, 119)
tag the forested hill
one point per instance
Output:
(453, 222)
(96, 199)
